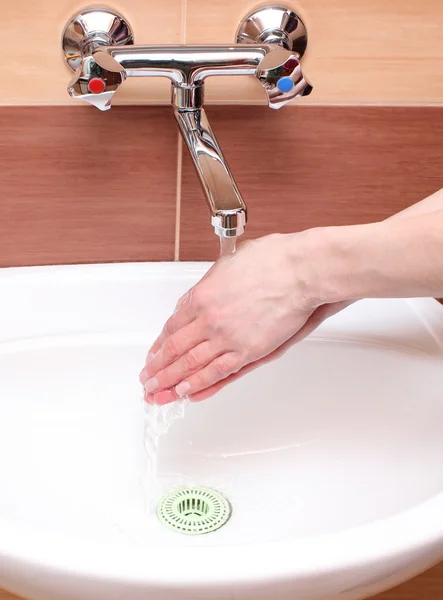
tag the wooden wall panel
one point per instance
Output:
(77, 185)
(317, 166)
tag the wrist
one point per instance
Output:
(336, 262)
(396, 258)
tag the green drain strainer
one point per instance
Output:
(194, 511)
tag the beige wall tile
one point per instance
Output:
(33, 68)
(360, 51)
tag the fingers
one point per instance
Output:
(183, 315)
(217, 387)
(202, 382)
(317, 317)
(166, 396)
(197, 358)
(163, 397)
(170, 395)
(173, 348)
(220, 368)
(218, 373)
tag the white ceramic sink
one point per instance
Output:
(331, 457)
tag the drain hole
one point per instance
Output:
(193, 507)
(194, 511)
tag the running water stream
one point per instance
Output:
(158, 419)
(227, 246)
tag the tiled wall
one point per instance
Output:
(77, 185)
(360, 51)
(316, 166)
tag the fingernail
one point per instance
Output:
(149, 398)
(151, 385)
(182, 388)
(165, 397)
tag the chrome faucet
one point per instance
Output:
(98, 46)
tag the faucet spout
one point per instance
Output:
(98, 44)
(228, 210)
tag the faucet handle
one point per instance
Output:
(281, 75)
(284, 33)
(97, 74)
(96, 79)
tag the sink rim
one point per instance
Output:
(404, 533)
(429, 310)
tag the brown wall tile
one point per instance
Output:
(428, 586)
(77, 185)
(7, 596)
(314, 166)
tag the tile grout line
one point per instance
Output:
(178, 198)
(183, 23)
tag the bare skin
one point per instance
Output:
(249, 308)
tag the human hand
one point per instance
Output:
(250, 307)
(247, 310)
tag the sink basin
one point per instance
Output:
(331, 457)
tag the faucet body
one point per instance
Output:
(103, 57)
(228, 210)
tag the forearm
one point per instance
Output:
(400, 257)
(429, 204)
